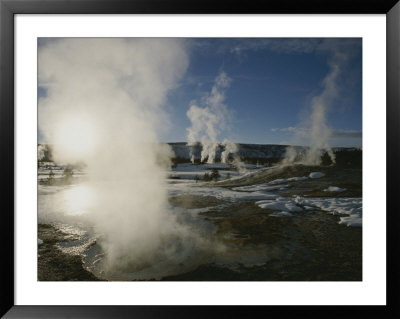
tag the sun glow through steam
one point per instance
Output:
(77, 137)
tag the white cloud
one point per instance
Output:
(290, 45)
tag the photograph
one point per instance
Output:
(199, 159)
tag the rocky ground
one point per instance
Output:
(308, 246)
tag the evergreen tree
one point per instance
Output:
(68, 173)
(51, 177)
(215, 174)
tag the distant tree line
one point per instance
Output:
(65, 178)
(213, 176)
(344, 159)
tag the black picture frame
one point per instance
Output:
(9, 8)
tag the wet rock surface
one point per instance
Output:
(53, 264)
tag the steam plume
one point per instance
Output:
(230, 148)
(208, 122)
(102, 107)
(41, 152)
(319, 132)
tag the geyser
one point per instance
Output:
(316, 128)
(208, 121)
(103, 104)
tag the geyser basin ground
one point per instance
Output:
(274, 223)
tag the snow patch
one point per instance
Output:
(281, 214)
(280, 203)
(316, 175)
(336, 206)
(218, 192)
(278, 181)
(259, 187)
(285, 180)
(334, 189)
(342, 206)
(303, 178)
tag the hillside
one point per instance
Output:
(267, 153)
(250, 153)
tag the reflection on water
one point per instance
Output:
(79, 199)
(65, 204)
(73, 210)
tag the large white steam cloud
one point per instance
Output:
(102, 107)
(209, 121)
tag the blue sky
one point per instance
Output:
(273, 83)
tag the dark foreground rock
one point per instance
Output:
(310, 246)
